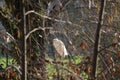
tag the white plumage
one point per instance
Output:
(60, 47)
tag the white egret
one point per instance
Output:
(60, 47)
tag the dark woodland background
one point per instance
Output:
(90, 30)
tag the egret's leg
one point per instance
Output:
(56, 56)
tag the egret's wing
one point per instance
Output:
(64, 48)
(58, 46)
(65, 52)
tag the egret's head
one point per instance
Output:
(56, 39)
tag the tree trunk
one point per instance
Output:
(97, 39)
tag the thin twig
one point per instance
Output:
(47, 17)
(36, 29)
(15, 67)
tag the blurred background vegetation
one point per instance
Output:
(74, 22)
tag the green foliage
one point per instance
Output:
(3, 61)
(57, 68)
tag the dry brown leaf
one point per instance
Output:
(88, 69)
(116, 12)
(18, 33)
(115, 40)
(110, 19)
(84, 45)
(77, 70)
(118, 54)
(117, 69)
(110, 62)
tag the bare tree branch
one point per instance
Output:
(24, 44)
(56, 20)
